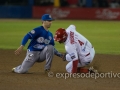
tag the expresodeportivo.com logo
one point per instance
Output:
(84, 75)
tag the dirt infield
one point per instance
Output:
(36, 79)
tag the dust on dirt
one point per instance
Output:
(37, 79)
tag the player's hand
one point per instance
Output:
(19, 50)
(64, 57)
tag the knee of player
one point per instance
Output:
(50, 47)
(68, 68)
(68, 58)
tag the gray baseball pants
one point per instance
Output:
(36, 56)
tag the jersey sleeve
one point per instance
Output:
(71, 51)
(33, 33)
(25, 39)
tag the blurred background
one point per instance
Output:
(61, 9)
(97, 20)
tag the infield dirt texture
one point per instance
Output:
(36, 79)
(104, 35)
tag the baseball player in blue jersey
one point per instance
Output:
(40, 48)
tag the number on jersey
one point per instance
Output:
(81, 43)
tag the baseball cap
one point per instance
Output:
(46, 17)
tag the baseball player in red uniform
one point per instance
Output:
(79, 50)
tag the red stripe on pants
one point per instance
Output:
(74, 69)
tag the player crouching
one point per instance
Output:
(79, 50)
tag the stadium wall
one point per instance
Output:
(78, 13)
(60, 13)
(15, 12)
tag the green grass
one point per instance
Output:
(104, 35)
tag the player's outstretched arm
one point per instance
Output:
(58, 53)
(19, 50)
(24, 41)
(63, 56)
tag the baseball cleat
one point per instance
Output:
(92, 70)
(13, 69)
(47, 70)
(82, 70)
